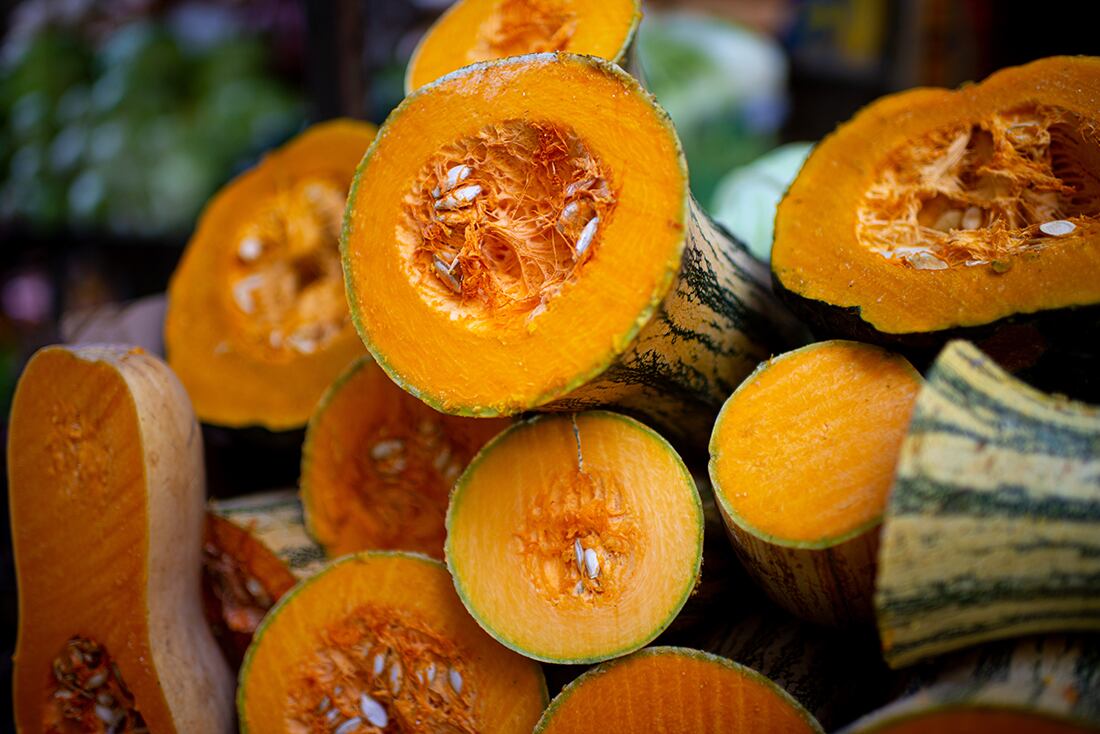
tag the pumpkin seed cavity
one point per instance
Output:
(518, 27)
(89, 694)
(503, 220)
(242, 599)
(383, 670)
(970, 195)
(285, 281)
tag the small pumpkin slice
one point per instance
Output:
(673, 690)
(936, 214)
(378, 465)
(574, 539)
(481, 30)
(106, 488)
(802, 458)
(520, 235)
(993, 525)
(255, 549)
(379, 641)
(257, 326)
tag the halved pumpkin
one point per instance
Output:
(802, 459)
(520, 235)
(106, 488)
(933, 211)
(674, 690)
(378, 641)
(257, 325)
(481, 30)
(574, 539)
(378, 465)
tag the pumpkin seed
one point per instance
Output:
(578, 551)
(458, 173)
(96, 680)
(445, 273)
(972, 218)
(250, 249)
(1057, 228)
(386, 449)
(243, 290)
(925, 261)
(591, 563)
(379, 663)
(395, 678)
(373, 711)
(349, 726)
(587, 234)
(459, 197)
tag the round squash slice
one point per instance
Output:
(934, 211)
(378, 465)
(257, 324)
(106, 486)
(520, 235)
(802, 459)
(673, 690)
(376, 642)
(254, 550)
(575, 539)
(480, 30)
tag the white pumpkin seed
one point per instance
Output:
(373, 711)
(926, 261)
(456, 174)
(1057, 228)
(386, 449)
(578, 551)
(106, 715)
(379, 663)
(459, 197)
(254, 587)
(436, 193)
(591, 563)
(243, 290)
(332, 716)
(430, 672)
(349, 726)
(579, 588)
(446, 275)
(395, 678)
(972, 218)
(455, 679)
(587, 234)
(98, 679)
(250, 249)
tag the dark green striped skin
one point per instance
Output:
(717, 322)
(993, 525)
(275, 519)
(1055, 677)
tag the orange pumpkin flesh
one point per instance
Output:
(257, 325)
(378, 465)
(934, 209)
(106, 490)
(674, 690)
(802, 459)
(388, 627)
(970, 720)
(482, 30)
(575, 540)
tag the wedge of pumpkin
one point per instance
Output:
(575, 539)
(257, 326)
(481, 30)
(936, 214)
(378, 641)
(378, 465)
(520, 235)
(106, 488)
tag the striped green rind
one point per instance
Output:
(993, 525)
(572, 688)
(1057, 678)
(275, 520)
(646, 636)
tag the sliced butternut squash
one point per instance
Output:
(378, 641)
(106, 487)
(378, 465)
(575, 539)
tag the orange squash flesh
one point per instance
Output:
(378, 465)
(674, 690)
(802, 459)
(481, 30)
(970, 720)
(931, 210)
(106, 490)
(257, 326)
(575, 539)
(403, 640)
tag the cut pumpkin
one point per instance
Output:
(933, 211)
(106, 489)
(802, 459)
(378, 641)
(675, 691)
(257, 325)
(482, 30)
(575, 539)
(255, 549)
(993, 524)
(520, 235)
(378, 465)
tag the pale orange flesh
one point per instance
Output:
(805, 449)
(379, 466)
(673, 693)
(976, 721)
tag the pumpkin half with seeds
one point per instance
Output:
(936, 211)
(480, 30)
(378, 641)
(575, 539)
(257, 325)
(378, 465)
(520, 235)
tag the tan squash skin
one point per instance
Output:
(106, 482)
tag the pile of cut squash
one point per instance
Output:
(563, 434)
